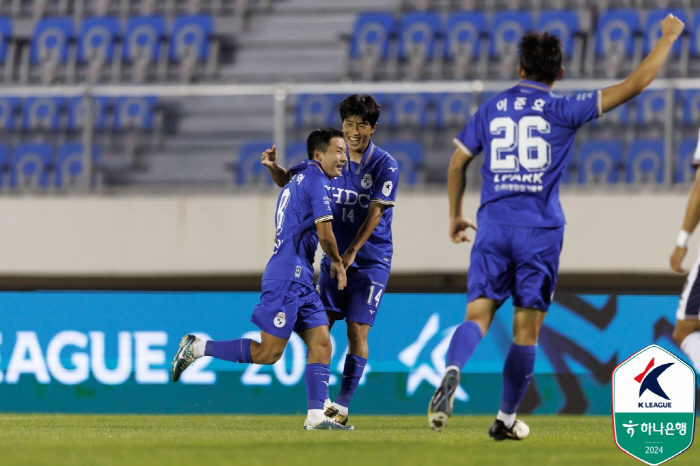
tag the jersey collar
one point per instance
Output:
(365, 158)
(317, 164)
(535, 85)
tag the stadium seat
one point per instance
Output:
(690, 99)
(317, 111)
(9, 108)
(615, 39)
(454, 109)
(652, 29)
(42, 113)
(143, 43)
(567, 26)
(296, 153)
(189, 42)
(599, 161)
(463, 41)
(134, 112)
(645, 163)
(693, 27)
(50, 45)
(370, 40)
(508, 28)
(409, 110)
(409, 157)
(76, 112)
(4, 163)
(684, 171)
(652, 107)
(69, 165)
(620, 115)
(96, 44)
(5, 37)
(29, 166)
(250, 171)
(417, 41)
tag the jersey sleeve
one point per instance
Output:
(470, 140)
(319, 199)
(576, 110)
(384, 190)
(696, 155)
(300, 167)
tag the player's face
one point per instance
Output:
(357, 133)
(333, 160)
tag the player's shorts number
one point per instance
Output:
(376, 297)
(533, 153)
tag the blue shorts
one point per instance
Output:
(521, 262)
(287, 306)
(359, 301)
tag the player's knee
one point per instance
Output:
(678, 336)
(269, 355)
(357, 333)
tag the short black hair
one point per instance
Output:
(319, 140)
(361, 105)
(540, 56)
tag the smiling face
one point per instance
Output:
(333, 159)
(357, 133)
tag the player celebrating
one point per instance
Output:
(526, 134)
(288, 301)
(362, 197)
(687, 331)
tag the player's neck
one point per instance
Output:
(356, 156)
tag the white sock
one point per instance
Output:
(341, 409)
(315, 416)
(508, 419)
(691, 347)
(198, 348)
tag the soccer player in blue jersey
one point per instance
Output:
(362, 198)
(288, 301)
(526, 134)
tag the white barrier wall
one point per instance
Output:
(233, 234)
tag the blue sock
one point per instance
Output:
(316, 378)
(352, 373)
(463, 344)
(230, 350)
(517, 372)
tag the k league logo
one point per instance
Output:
(653, 397)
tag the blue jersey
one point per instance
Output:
(303, 203)
(375, 178)
(526, 134)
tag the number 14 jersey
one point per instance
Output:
(526, 134)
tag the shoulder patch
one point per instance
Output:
(386, 189)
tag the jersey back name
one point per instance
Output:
(526, 134)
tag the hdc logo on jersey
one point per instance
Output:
(653, 397)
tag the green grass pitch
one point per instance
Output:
(279, 440)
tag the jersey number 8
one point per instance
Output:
(533, 153)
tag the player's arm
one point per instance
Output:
(374, 216)
(645, 73)
(456, 185)
(280, 175)
(690, 222)
(326, 239)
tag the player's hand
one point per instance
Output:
(348, 258)
(269, 157)
(672, 27)
(338, 272)
(458, 229)
(677, 259)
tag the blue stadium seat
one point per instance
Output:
(76, 112)
(409, 156)
(97, 39)
(250, 171)
(685, 171)
(417, 35)
(4, 162)
(463, 35)
(29, 165)
(645, 163)
(691, 105)
(652, 29)
(454, 109)
(620, 115)
(9, 107)
(142, 40)
(652, 107)
(317, 111)
(409, 110)
(190, 37)
(693, 26)
(296, 153)
(42, 113)
(69, 165)
(371, 35)
(598, 162)
(5, 37)
(508, 28)
(50, 40)
(563, 24)
(615, 33)
(134, 112)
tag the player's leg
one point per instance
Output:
(687, 332)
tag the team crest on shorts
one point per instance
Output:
(367, 181)
(297, 272)
(280, 320)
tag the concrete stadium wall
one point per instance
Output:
(152, 235)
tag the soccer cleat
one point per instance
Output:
(518, 431)
(326, 424)
(333, 414)
(184, 357)
(440, 408)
